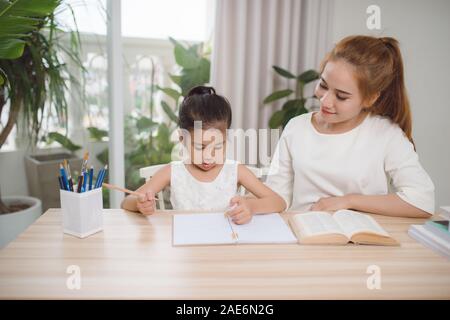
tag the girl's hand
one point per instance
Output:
(241, 212)
(332, 204)
(146, 203)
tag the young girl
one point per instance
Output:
(206, 180)
(345, 155)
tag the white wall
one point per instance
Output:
(13, 181)
(423, 30)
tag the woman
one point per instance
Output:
(345, 155)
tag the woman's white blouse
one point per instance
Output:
(308, 165)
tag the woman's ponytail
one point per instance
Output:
(393, 101)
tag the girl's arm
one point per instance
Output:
(158, 182)
(267, 200)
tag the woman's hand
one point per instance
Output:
(146, 203)
(240, 212)
(332, 203)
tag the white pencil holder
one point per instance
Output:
(82, 212)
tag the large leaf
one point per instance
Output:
(176, 79)
(293, 104)
(163, 138)
(145, 124)
(63, 141)
(283, 72)
(185, 57)
(195, 77)
(168, 110)
(277, 95)
(28, 8)
(293, 108)
(97, 134)
(277, 119)
(171, 93)
(195, 67)
(11, 48)
(17, 25)
(288, 115)
(17, 19)
(308, 76)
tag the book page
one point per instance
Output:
(201, 229)
(316, 223)
(264, 228)
(353, 222)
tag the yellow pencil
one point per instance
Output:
(111, 186)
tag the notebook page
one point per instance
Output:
(353, 222)
(316, 223)
(264, 228)
(201, 229)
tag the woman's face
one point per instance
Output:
(338, 92)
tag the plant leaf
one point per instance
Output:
(185, 57)
(171, 93)
(11, 48)
(195, 77)
(176, 79)
(144, 124)
(283, 72)
(277, 95)
(97, 134)
(17, 20)
(63, 141)
(169, 111)
(308, 76)
(276, 120)
(293, 104)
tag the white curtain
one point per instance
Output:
(250, 36)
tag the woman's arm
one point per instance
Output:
(388, 205)
(158, 182)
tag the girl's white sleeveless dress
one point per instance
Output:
(188, 193)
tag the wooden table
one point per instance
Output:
(133, 258)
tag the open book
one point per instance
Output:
(343, 226)
(216, 228)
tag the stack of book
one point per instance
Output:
(435, 233)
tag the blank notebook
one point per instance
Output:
(216, 228)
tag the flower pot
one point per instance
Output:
(42, 172)
(14, 223)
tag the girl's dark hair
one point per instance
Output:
(203, 104)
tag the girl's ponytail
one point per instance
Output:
(203, 104)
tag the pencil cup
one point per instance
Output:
(82, 212)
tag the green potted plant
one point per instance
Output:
(31, 74)
(149, 142)
(296, 103)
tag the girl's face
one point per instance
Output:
(338, 92)
(207, 148)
